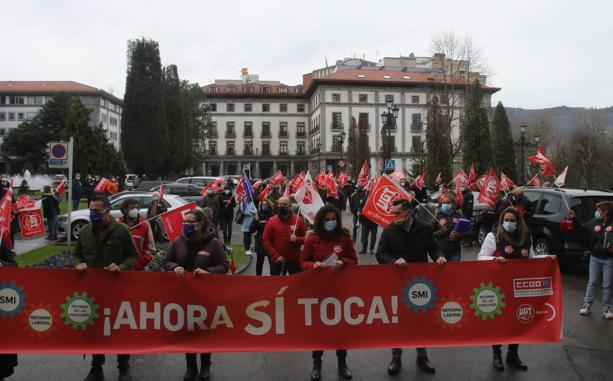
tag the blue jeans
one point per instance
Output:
(397, 352)
(601, 271)
(53, 227)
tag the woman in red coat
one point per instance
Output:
(330, 245)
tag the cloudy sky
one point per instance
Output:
(543, 53)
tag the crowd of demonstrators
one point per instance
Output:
(141, 232)
(511, 241)
(51, 210)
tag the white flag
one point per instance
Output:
(308, 198)
(561, 178)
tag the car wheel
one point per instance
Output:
(481, 234)
(76, 228)
(541, 247)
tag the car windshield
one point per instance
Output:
(586, 206)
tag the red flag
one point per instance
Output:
(287, 191)
(173, 220)
(378, 207)
(420, 181)
(535, 181)
(561, 180)
(257, 184)
(24, 202)
(398, 175)
(6, 206)
(490, 190)
(31, 223)
(264, 193)
(342, 179)
(547, 168)
(506, 182)
(481, 181)
(458, 191)
(321, 177)
(461, 176)
(472, 176)
(363, 175)
(232, 265)
(277, 179)
(298, 183)
(330, 185)
(61, 188)
(102, 184)
(439, 179)
(161, 191)
(212, 185)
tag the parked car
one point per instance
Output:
(200, 181)
(131, 180)
(57, 180)
(149, 185)
(547, 217)
(80, 218)
(180, 189)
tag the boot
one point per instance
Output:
(192, 367)
(514, 360)
(498, 365)
(394, 366)
(205, 367)
(124, 375)
(343, 370)
(95, 374)
(316, 373)
(424, 364)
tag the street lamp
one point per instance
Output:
(522, 145)
(342, 136)
(389, 121)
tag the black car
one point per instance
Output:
(547, 217)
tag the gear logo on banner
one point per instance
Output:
(79, 311)
(419, 294)
(487, 301)
(12, 299)
(451, 313)
(41, 320)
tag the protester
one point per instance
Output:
(444, 190)
(405, 241)
(8, 362)
(274, 195)
(328, 238)
(155, 208)
(369, 228)
(510, 241)
(601, 257)
(261, 219)
(515, 199)
(354, 206)
(51, 209)
(467, 211)
(448, 240)
(140, 231)
(118, 253)
(211, 200)
(200, 251)
(283, 236)
(77, 191)
(248, 216)
(227, 203)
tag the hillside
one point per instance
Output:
(562, 118)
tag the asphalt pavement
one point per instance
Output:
(586, 353)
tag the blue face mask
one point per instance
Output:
(446, 208)
(330, 225)
(509, 226)
(598, 215)
(265, 208)
(95, 217)
(189, 229)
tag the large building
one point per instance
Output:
(268, 125)
(22, 100)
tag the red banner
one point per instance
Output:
(489, 190)
(24, 202)
(173, 220)
(378, 207)
(66, 311)
(31, 223)
(101, 186)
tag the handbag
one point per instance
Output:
(240, 216)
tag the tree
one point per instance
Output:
(179, 145)
(503, 145)
(437, 143)
(197, 119)
(477, 143)
(353, 165)
(144, 137)
(363, 150)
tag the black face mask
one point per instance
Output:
(284, 210)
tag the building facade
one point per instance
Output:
(268, 125)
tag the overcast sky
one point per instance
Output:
(543, 53)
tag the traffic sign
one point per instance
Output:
(58, 155)
(341, 163)
(328, 168)
(390, 165)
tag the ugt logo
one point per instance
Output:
(384, 198)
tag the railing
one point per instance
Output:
(300, 134)
(248, 134)
(266, 152)
(283, 134)
(230, 135)
(230, 151)
(266, 134)
(417, 126)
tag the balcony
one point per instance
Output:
(300, 152)
(230, 152)
(283, 134)
(247, 134)
(417, 126)
(230, 134)
(301, 134)
(336, 126)
(266, 134)
(212, 152)
(212, 135)
(248, 152)
(337, 147)
(283, 153)
(266, 152)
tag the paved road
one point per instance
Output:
(585, 354)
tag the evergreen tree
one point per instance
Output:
(178, 142)
(144, 137)
(477, 143)
(504, 151)
(438, 144)
(353, 166)
(363, 151)
(197, 119)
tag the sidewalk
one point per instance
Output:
(26, 245)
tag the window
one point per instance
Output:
(415, 99)
(212, 131)
(231, 89)
(3, 100)
(389, 98)
(444, 99)
(248, 130)
(283, 89)
(265, 89)
(35, 100)
(533, 198)
(266, 130)
(283, 148)
(337, 120)
(300, 130)
(212, 89)
(336, 97)
(416, 145)
(230, 148)
(283, 130)
(16, 100)
(363, 98)
(230, 107)
(248, 107)
(248, 147)
(230, 131)
(212, 148)
(363, 120)
(550, 204)
(336, 143)
(265, 107)
(213, 107)
(248, 89)
(21, 116)
(300, 107)
(415, 122)
(2, 131)
(300, 148)
(265, 148)
(11, 116)
(2, 116)
(283, 107)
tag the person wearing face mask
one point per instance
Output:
(105, 244)
(200, 251)
(328, 238)
(261, 219)
(249, 214)
(405, 241)
(51, 209)
(448, 240)
(227, 203)
(155, 208)
(141, 232)
(77, 191)
(601, 257)
(283, 236)
(511, 241)
(355, 208)
(211, 200)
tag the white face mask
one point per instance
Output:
(133, 213)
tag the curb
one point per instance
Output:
(245, 266)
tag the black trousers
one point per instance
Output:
(261, 255)
(355, 226)
(498, 349)
(123, 361)
(226, 228)
(192, 359)
(341, 354)
(284, 268)
(369, 228)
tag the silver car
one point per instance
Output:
(80, 218)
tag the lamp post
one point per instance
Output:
(522, 144)
(342, 136)
(389, 121)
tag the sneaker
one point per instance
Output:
(248, 253)
(608, 314)
(585, 310)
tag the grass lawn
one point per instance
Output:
(239, 256)
(64, 206)
(39, 255)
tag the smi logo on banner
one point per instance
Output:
(530, 287)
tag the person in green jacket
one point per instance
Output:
(105, 244)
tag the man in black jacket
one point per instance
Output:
(404, 241)
(354, 206)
